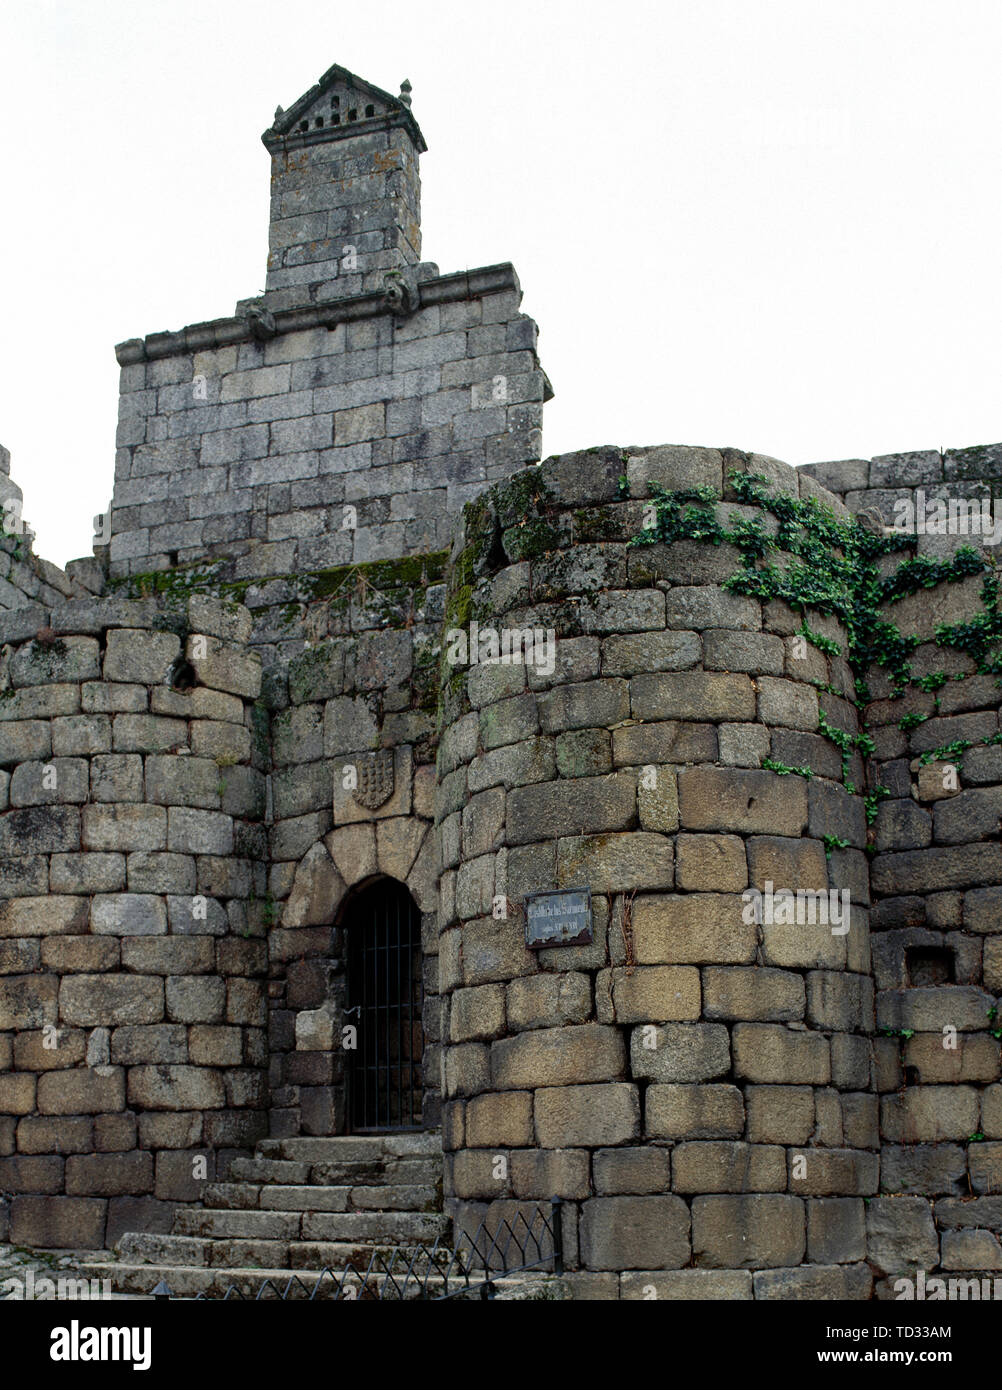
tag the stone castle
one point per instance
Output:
(267, 853)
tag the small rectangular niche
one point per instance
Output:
(929, 965)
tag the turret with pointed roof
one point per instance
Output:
(345, 191)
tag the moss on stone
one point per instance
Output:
(534, 537)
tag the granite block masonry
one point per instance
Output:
(238, 732)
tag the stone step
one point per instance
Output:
(221, 1224)
(233, 1196)
(351, 1148)
(367, 1227)
(397, 1170)
(240, 1196)
(327, 1254)
(373, 1228)
(398, 1197)
(262, 1170)
(145, 1248)
(167, 1251)
(188, 1281)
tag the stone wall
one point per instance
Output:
(936, 878)
(696, 1087)
(365, 689)
(133, 1048)
(875, 485)
(351, 434)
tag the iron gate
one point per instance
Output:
(384, 997)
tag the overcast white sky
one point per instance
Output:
(773, 224)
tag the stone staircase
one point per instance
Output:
(296, 1207)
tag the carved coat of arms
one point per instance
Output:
(375, 779)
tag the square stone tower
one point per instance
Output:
(345, 191)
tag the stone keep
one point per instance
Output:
(310, 497)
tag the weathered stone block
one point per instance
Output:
(66, 1223)
(636, 1171)
(712, 798)
(680, 1051)
(81, 1091)
(753, 993)
(543, 1001)
(780, 1114)
(586, 1116)
(108, 1175)
(144, 658)
(51, 916)
(836, 1283)
(711, 863)
(748, 1232)
(836, 1230)
(500, 1121)
(642, 994)
(128, 914)
(901, 1235)
(558, 1057)
(103, 1000)
(168, 1087)
(689, 1285)
(703, 928)
(725, 1166)
(27, 1001)
(634, 1233)
(824, 1172)
(699, 695)
(770, 1053)
(221, 667)
(924, 1114)
(570, 807)
(124, 828)
(694, 1112)
(477, 1013)
(545, 1173)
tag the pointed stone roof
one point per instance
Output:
(338, 106)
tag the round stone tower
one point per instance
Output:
(639, 702)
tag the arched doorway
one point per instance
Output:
(384, 996)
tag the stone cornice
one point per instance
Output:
(216, 333)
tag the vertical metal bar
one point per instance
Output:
(397, 1001)
(386, 1007)
(410, 1006)
(372, 1038)
(558, 1235)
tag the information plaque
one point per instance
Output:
(558, 919)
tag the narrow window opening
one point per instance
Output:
(370, 110)
(319, 122)
(353, 114)
(172, 558)
(304, 125)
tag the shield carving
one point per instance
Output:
(375, 779)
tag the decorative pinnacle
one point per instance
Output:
(405, 92)
(279, 113)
